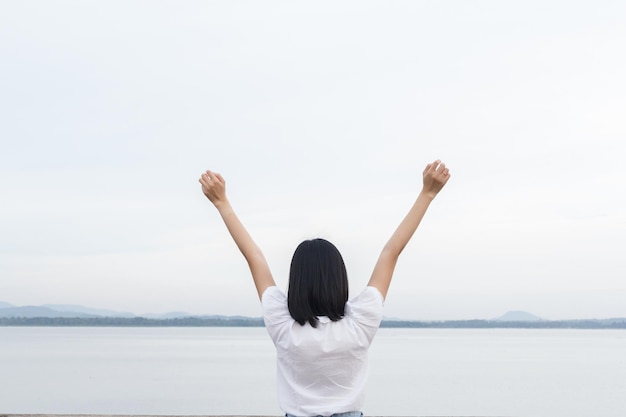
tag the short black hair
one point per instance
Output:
(318, 282)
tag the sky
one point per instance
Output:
(321, 117)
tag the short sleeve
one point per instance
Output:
(275, 310)
(367, 309)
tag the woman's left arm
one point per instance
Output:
(214, 188)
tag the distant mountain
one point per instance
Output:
(170, 315)
(518, 316)
(87, 310)
(36, 311)
(78, 311)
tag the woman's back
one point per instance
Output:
(322, 370)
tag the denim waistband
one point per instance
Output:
(347, 414)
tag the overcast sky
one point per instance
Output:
(321, 117)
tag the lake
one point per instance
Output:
(228, 371)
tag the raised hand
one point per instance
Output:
(435, 177)
(213, 187)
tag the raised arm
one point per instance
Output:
(435, 177)
(214, 188)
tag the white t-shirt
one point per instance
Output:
(322, 371)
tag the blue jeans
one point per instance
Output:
(348, 414)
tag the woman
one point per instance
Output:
(321, 338)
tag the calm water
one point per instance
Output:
(551, 373)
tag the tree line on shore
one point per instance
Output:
(619, 323)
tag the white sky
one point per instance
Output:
(321, 117)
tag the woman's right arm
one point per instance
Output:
(435, 177)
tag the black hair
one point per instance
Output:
(318, 282)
